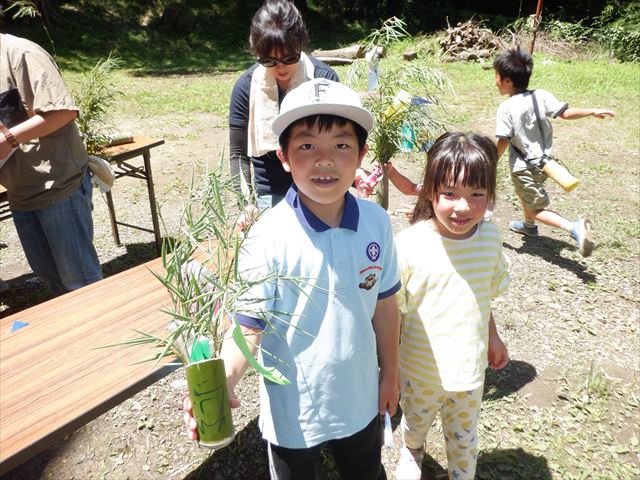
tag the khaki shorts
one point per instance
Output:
(530, 189)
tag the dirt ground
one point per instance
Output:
(560, 313)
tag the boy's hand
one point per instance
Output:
(498, 355)
(190, 421)
(601, 113)
(388, 395)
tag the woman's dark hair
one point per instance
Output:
(515, 64)
(455, 153)
(277, 26)
(323, 122)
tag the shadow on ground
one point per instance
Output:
(27, 290)
(500, 383)
(245, 457)
(512, 463)
(549, 249)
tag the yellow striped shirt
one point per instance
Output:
(445, 300)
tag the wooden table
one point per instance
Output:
(118, 156)
(5, 212)
(53, 379)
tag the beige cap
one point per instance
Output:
(321, 97)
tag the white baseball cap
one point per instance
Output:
(321, 96)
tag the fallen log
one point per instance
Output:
(352, 52)
(335, 60)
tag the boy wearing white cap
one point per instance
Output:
(336, 336)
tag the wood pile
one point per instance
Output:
(469, 41)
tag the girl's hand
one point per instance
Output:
(498, 355)
(366, 183)
(248, 217)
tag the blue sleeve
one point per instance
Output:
(322, 70)
(239, 102)
(251, 322)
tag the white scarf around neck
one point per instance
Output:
(264, 106)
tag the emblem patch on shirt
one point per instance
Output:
(369, 281)
(373, 251)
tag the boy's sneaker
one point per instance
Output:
(409, 464)
(519, 226)
(582, 235)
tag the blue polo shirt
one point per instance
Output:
(318, 331)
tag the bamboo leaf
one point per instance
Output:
(270, 373)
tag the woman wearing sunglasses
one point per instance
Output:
(277, 36)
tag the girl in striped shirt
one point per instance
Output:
(452, 265)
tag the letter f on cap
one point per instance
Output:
(319, 91)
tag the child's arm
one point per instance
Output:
(402, 183)
(386, 324)
(498, 354)
(235, 363)
(502, 145)
(576, 113)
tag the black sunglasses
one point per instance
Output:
(272, 62)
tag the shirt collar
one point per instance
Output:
(306, 217)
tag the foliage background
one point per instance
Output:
(185, 36)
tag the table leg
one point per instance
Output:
(112, 217)
(152, 200)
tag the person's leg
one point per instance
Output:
(459, 424)
(293, 463)
(548, 217)
(359, 456)
(529, 188)
(36, 249)
(580, 230)
(420, 404)
(68, 227)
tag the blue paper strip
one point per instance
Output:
(17, 324)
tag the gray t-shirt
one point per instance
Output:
(44, 170)
(516, 122)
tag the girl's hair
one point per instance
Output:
(455, 153)
(277, 26)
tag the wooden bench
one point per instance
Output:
(53, 378)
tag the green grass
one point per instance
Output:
(573, 440)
